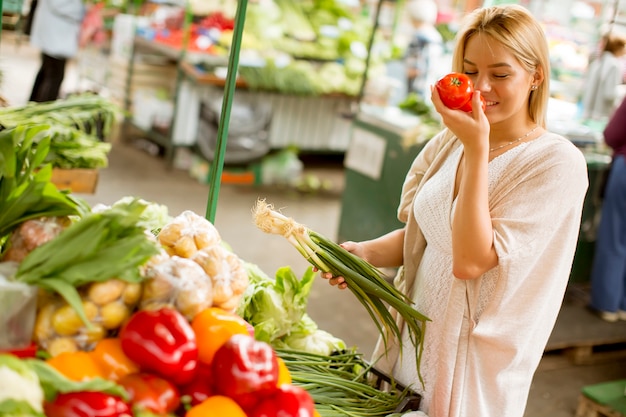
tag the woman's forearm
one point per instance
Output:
(472, 232)
(385, 251)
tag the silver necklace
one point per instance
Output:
(514, 140)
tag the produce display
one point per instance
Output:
(137, 313)
(76, 127)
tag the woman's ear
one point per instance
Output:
(538, 77)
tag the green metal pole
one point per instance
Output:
(222, 129)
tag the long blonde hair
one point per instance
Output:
(518, 31)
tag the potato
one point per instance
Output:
(60, 345)
(93, 335)
(102, 293)
(66, 322)
(131, 294)
(43, 324)
(113, 315)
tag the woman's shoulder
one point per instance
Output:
(553, 143)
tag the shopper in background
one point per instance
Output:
(492, 208)
(604, 75)
(425, 47)
(55, 31)
(608, 274)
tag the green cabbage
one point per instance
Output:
(20, 391)
(307, 337)
(275, 306)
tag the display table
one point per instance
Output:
(310, 123)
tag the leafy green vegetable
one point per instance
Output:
(75, 126)
(53, 382)
(306, 336)
(275, 306)
(20, 392)
(17, 408)
(26, 190)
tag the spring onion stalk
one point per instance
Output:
(365, 281)
(342, 385)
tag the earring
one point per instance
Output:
(533, 87)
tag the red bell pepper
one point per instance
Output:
(151, 393)
(161, 342)
(87, 404)
(288, 400)
(200, 388)
(29, 351)
(245, 370)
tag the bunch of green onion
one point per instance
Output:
(365, 281)
(343, 384)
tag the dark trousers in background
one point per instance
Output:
(49, 79)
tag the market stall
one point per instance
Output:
(310, 67)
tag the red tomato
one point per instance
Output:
(151, 393)
(455, 90)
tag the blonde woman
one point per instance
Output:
(492, 209)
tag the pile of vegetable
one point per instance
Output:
(160, 364)
(138, 313)
(76, 127)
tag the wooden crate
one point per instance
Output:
(82, 181)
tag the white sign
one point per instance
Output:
(366, 153)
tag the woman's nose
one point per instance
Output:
(482, 83)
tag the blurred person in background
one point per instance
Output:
(491, 208)
(604, 75)
(425, 47)
(608, 274)
(55, 32)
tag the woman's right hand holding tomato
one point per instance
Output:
(472, 128)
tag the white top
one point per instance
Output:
(487, 335)
(56, 26)
(600, 89)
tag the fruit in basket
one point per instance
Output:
(177, 283)
(162, 342)
(187, 233)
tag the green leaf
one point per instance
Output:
(13, 408)
(53, 382)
